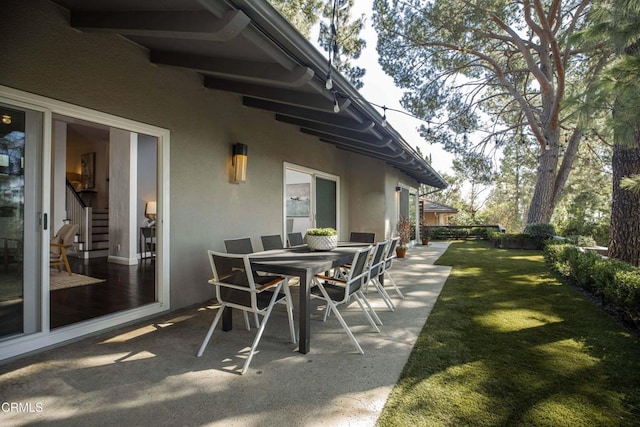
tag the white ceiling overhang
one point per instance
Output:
(247, 47)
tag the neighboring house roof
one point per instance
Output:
(435, 207)
(247, 47)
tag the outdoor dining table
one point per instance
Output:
(304, 263)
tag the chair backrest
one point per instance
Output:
(66, 233)
(377, 259)
(64, 236)
(239, 246)
(358, 272)
(295, 239)
(362, 237)
(391, 251)
(272, 242)
(233, 279)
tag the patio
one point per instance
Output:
(148, 374)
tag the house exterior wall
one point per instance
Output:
(434, 218)
(43, 55)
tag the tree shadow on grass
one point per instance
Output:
(506, 344)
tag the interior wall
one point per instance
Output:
(58, 176)
(107, 73)
(147, 175)
(85, 140)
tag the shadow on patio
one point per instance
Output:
(148, 374)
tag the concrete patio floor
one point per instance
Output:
(147, 374)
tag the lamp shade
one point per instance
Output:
(150, 209)
(240, 158)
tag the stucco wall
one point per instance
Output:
(42, 54)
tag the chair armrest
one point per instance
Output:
(273, 282)
(330, 279)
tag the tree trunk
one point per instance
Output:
(542, 202)
(624, 236)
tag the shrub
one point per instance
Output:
(494, 237)
(460, 233)
(617, 283)
(625, 291)
(441, 233)
(581, 240)
(542, 231)
(480, 232)
(519, 241)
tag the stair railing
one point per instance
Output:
(79, 213)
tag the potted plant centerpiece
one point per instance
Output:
(322, 239)
(403, 227)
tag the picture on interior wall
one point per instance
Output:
(88, 163)
(298, 199)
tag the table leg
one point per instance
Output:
(227, 319)
(304, 325)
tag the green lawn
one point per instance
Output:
(507, 344)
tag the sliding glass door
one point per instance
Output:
(21, 136)
(311, 199)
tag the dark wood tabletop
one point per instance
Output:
(304, 263)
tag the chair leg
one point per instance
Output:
(327, 310)
(393, 283)
(246, 320)
(340, 319)
(358, 297)
(289, 303)
(63, 253)
(383, 293)
(263, 324)
(371, 310)
(211, 329)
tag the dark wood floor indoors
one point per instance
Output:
(126, 287)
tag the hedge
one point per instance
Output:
(616, 283)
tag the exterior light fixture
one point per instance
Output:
(239, 162)
(6, 119)
(398, 189)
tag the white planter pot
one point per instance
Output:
(322, 243)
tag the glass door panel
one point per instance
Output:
(311, 200)
(20, 145)
(298, 213)
(326, 201)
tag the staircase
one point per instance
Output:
(98, 236)
(92, 240)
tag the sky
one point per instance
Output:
(379, 89)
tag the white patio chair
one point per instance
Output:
(376, 268)
(295, 239)
(336, 291)
(239, 287)
(239, 246)
(362, 237)
(388, 262)
(273, 241)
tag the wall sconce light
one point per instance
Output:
(239, 162)
(151, 210)
(398, 189)
(6, 119)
